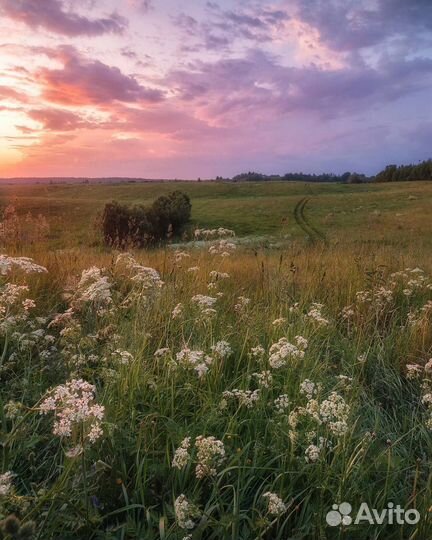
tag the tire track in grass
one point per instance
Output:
(312, 232)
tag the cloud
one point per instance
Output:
(51, 15)
(58, 119)
(82, 81)
(224, 27)
(351, 25)
(7, 93)
(257, 86)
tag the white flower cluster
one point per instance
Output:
(283, 351)
(312, 453)
(378, 298)
(245, 398)
(264, 378)
(210, 454)
(315, 314)
(309, 388)
(424, 373)
(93, 288)
(222, 248)
(122, 357)
(222, 349)
(75, 410)
(205, 304)
(412, 280)
(212, 234)
(281, 403)
(275, 505)
(181, 455)
(218, 276)
(257, 352)
(186, 513)
(334, 412)
(146, 278)
(197, 360)
(23, 264)
(6, 483)
(177, 311)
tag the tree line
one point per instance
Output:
(406, 173)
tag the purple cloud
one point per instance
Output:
(224, 27)
(51, 15)
(351, 25)
(257, 86)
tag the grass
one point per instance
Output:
(123, 485)
(377, 213)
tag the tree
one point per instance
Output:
(139, 226)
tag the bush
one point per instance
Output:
(138, 226)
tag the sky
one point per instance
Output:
(188, 88)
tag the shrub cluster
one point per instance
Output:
(139, 226)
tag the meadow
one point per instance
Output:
(223, 387)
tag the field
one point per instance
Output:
(236, 393)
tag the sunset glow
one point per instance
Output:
(170, 89)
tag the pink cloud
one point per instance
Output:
(83, 81)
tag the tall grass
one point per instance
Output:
(124, 486)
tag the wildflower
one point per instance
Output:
(257, 352)
(281, 403)
(5, 483)
(93, 288)
(148, 279)
(193, 269)
(28, 304)
(161, 353)
(264, 378)
(186, 513)
(309, 388)
(283, 351)
(334, 411)
(275, 505)
(279, 322)
(210, 234)
(210, 455)
(222, 349)
(315, 314)
(122, 357)
(197, 360)
(13, 410)
(75, 409)
(25, 264)
(177, 311)
(216, 276)
(245, 398)
(414, 371)
(204, 302)
(181, 455)
(312, 453)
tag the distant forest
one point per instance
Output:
(392, 173)
(406, 173)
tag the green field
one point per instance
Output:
(373, 213)
(232, 391)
